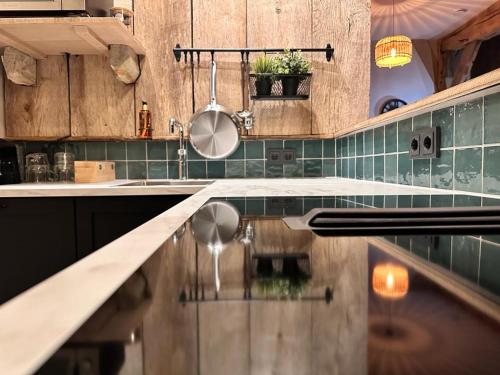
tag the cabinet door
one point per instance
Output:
(101, 220)
(37, 240)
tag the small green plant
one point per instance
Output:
(282, 287)
(263, 65)
(291, 63)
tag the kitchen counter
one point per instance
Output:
(36, 323)
(100, 189)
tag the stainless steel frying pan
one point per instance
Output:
(214, 130)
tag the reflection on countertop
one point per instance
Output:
(273, 300)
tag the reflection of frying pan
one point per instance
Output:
(215, 225)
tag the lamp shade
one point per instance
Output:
(393, 51)
(390, 281)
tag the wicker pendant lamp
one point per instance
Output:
(395, 50)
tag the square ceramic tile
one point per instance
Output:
(173, 169)
(359, 168)
(391, 138)
(492, 118)
(313, 168)
(216, 169)
(468, 169)
(378, 168)
(157, 170)
(344, 147)
(360, 148)
(328, 148)
(422, 121)
(254, 149)
(345, 168)
(442, 201)
(465, 257)
(391, 169)
(421, 201)
(79, 150)
(172, 150)
(313, 149)
(469, 123)
(272, 144)
(273, 171)
(404, 169)
(440, 252)
(378, 140)
(368, 168)
(116, 151)
(391, 201)
(255, 168)
(197, 169)
(96, 151)
(294, 170)
(136, 150)
(489, 277)
(255, 206)
(157, 150)
(404, 242)
(466, 201)
(491, 170)
(351, 145)
(404, 201)
(121, 170)
(239, 204)
(235, 168)
(444, 119)
(404, 133)
(352, 167)
(338, 147)
(420, 246)
(368, 141)
(442, 171)
(137, 170)
(328, 167)
(239, 153)
(421, 172)
(338, 168)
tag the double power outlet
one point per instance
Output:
(278, 156)
(425, 143)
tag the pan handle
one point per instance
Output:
(213, 83)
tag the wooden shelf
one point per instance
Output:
(42, 37)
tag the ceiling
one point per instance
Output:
(423, 19)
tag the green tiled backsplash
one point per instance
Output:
(470, 150)
(158, 159)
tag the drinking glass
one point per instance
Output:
(37, 168)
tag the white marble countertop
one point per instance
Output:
(112, 188)
(36, 323)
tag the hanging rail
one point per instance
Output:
(245, 52)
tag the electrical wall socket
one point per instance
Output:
(278, 156)
(425, 144)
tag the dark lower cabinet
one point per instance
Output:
(37, 239)
(41, 236)
(102, 220)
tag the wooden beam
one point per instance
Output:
(484, 26)
(467, 58)
(90, 38)
(9, 40)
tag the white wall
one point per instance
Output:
(409, 83)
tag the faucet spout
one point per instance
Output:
(181, 152)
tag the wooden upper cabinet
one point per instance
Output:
(277, 25)
(164, 83)
(41, 111)
(101, 106)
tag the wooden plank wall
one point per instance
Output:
(80, 97)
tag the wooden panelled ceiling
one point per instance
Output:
(423, 19)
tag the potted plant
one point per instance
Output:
(291, 67)
(264, 75)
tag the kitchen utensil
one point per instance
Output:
(214, 130)
(37, 168)
(246, 116)
(94, 171)
(64, 167)
(215, 225)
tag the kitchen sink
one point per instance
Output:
(167, 183)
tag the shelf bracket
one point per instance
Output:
(9, 40)
(88, 36)
(20, 68)
(124, 63)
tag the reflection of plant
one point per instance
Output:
(283, 287)
(291, 63)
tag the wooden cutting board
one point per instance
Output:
(94, 171)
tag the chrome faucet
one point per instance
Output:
(181, 152)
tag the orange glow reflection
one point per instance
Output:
(390, 281)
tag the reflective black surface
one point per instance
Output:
(251, 296)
